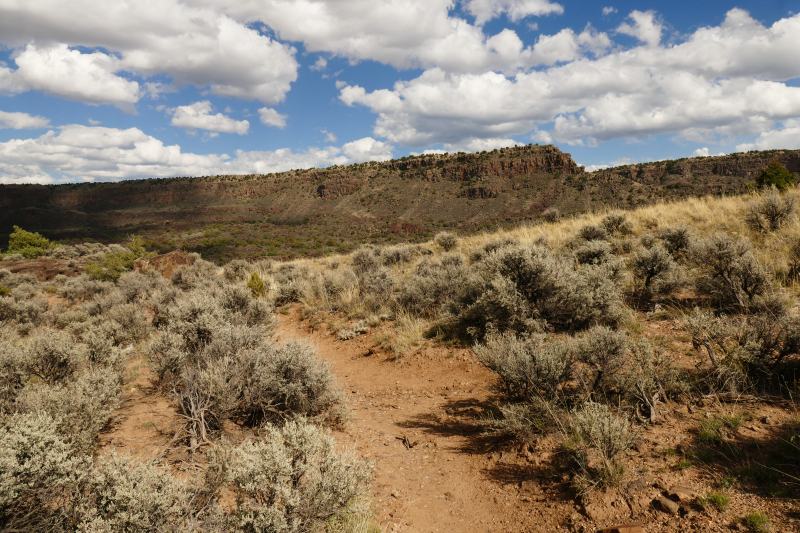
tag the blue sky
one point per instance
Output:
(104, 90)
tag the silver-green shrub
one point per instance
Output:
(434, 286)
(528, 367)
(446, 240)
(599, 437)
(51, 355)
(80, 409)
(293, 480)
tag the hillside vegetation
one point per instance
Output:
(558, 311)
(318, 212)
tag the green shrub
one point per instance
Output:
(776, 175)
(116, 262)
(757, 522)
(719, 501)
(256, 285)
(293, 480)
(446, 240)
(4, 291)
(29, 245)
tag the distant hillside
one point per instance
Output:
(317, 211)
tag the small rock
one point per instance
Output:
(625, 528)
(765, 420)
(666, 505)
(637, 485)
(395, 494)
(684, 494)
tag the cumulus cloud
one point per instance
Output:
(723, 80)
(186, 41)
(403, 34)
(609, 10)
(515, 10)
(618, 163)
(85, 153)
(329, 137)
(643, 26)
(270, 117)
(703, 152)
(198, 116)
(22, 121)
(787, 137)
(72, 75)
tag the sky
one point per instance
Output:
(103, 90)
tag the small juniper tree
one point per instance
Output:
(777, 175)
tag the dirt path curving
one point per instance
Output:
(415, 418)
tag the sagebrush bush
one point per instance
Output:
(730, 273)
(771, 212)
(600, 436)
(677, 240)
(520, 287)
(284, 381)
(122, 495)
(593, 233)
(292, 481)
(81, 288)
(446, 240)
(478, 254)
(434, 286)
(237, 270)
(133, 324)
(134, 286)
(399, 254)
(656, 271)
(551, 214)
(79, 409)
(200, 274)
(617, 223)
(529, 368)
(12, 371)
(40, 473)
(604, 354)
(594, 253)
(51, 355)
(524, 422)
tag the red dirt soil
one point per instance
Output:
(416, 418)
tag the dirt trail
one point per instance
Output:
(451, 478)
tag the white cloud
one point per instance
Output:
(720, 81)
(72, 75)
(329, 137)
(270, 117)
(609, 10)
(320, 64)
(479, 145)
(787, 137)
(645, 27)
(515, 10)
(94, 122)
(703, 152)
(22, 121)
(186, 41)
(367, 149)
(618, 163)
(84, 153)
(401, 33)
(198, 116)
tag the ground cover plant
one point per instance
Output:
(559, 310)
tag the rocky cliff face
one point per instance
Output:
(406, 197)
